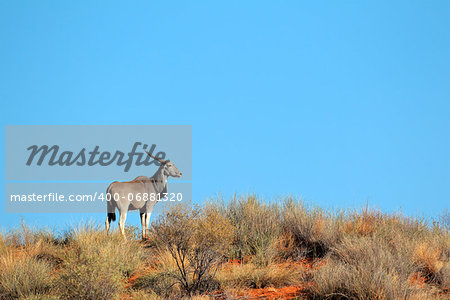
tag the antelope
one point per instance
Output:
(130, 195)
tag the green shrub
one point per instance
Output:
(196, 240)
(256, 228)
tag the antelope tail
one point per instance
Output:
(111, 217)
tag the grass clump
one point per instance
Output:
(360, 269)
(434, 263)
(308, 232)
(160, 277)
(383, 261)
(96, 265)
(23, 277)
(253, 276)
(256, 229)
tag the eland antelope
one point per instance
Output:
(130, 195)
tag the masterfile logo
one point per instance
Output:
(91, 152)
(53, 156)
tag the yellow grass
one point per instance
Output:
(364, 255)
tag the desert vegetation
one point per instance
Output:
(238, 249)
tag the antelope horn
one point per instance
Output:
(154, 157)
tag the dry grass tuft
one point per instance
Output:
(433, 263)
(96, 265)
(256, 227)
(360, 269)
(23, 277)
(253, 276)
(310, 232)
(160, 278)
(363, 224)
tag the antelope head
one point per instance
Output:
(168, 167)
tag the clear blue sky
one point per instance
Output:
(339, 102)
